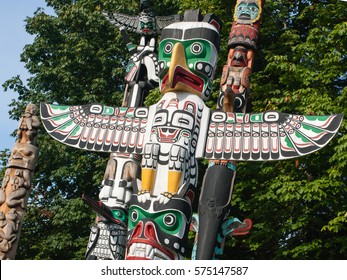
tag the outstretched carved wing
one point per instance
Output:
(267, 136)
(163, 21)
(245, 137)
(96, 127)
(131, 23)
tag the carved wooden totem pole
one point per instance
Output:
(174, 133)
(16, 183)
(219, 179)
(108, 237)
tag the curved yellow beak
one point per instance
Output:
(180, 78)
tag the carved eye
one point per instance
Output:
(168, 48)
(183, 120)
(254, 9)
(196, 48)
(134, 215)
(28, 153)
(160, 118)
(169, 220)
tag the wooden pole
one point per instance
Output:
(17, 182)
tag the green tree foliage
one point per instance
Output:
(298, 206)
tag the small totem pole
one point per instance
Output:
(16, 183)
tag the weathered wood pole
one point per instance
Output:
(17, 182)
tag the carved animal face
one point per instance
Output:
(187, 57)
(172, 124)
(157, 231)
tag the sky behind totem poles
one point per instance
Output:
(13, 39)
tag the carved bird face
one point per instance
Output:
(187, 57)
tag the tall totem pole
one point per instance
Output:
(16, 184)
(215, 197)
(108, 236)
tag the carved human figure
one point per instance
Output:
(142, 69)
(172, 146)
(9, 225)
(29, 123)
(235, 80)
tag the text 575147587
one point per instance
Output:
(223, 270)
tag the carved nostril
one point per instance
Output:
(150, 231)
(138, 230)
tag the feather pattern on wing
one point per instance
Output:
(131, 23)
(163, 21)
(267, 136)
(97, 127)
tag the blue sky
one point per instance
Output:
(13, 39)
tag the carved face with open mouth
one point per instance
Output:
(187, 58)
(157, 231)
(247, 11)
(170, 126)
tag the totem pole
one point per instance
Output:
(173, 133)
(108, 236)
(160, 214)
(16, 184)
(215, 197)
